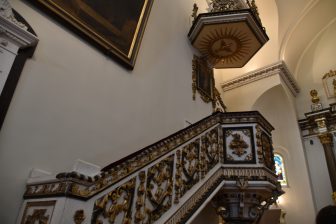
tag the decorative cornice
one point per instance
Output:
(278, 68)
(7, 13)
(14, 30)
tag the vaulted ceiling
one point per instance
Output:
(292, 26)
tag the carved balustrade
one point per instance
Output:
(166, 182)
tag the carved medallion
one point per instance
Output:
(239, 145)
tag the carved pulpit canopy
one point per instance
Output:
(229, 34)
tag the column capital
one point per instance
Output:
(326, 138)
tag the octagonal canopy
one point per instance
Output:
(227, 39)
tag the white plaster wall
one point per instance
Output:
(318, 59)
(243, 98)
(73, 102)
(279, 111)
(319, 173)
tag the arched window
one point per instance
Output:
(280, 169)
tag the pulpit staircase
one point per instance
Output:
(226, 158)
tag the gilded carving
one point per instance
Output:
(79, 216)
(194, 11)
(238, 145)
(159, 189)
(83, 187)
(38, 216)
(315, 98)
(225, 5)
(116, 206)
(178, 177)
(190, 166)
(210, 150)
(259, 145)
(326, 138)
(267, 151)
(141, 196)
(45, 189)
(218, 104)
(249, 157)
(38, 212)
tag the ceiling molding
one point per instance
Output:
(278, 68)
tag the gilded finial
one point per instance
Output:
(315, 98)
(194, 11)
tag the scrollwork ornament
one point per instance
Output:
(259, 144)
(111, 205)
(210, 149)
(141, 196)
(190, 165)
(79, 216)
(159, 189)
(178, 177)
(39, 215)
(194, 67)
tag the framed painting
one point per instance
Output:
(329, 83)
(114, 26)
(203, 79)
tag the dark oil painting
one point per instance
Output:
(116, 25)
(205, 82)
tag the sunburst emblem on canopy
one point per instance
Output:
(225, 46)
(229, 35)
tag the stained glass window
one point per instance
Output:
(280, 169)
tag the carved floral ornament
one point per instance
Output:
(38, 212)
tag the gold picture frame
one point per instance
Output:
(329, 83)
(203, 79)
(115, 27)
